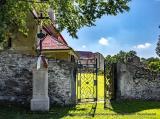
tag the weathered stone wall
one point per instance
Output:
(62, 83)
(16, 79)
(137, 82)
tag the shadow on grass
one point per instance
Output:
(133, 106)
(85, 110)
(93, 109)
(10, 111)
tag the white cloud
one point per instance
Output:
(83, 46)
(143, 46)
(103, 41)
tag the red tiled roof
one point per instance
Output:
(86, 54)
(51, 30)
(61, 39)
(51, 43)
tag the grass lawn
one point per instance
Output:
(100, 87)
(116, 110)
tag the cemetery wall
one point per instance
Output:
(16, 79)
(135, 81)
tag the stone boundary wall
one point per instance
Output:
(137, 82)
(16, 79)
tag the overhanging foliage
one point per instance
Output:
(70, 14)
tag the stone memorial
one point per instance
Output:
(40, 99)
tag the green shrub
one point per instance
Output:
(155, 65)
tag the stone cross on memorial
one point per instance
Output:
(40, 99)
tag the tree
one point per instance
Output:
(143, 59)
(120, 57)
(155, 66)
(158, 47)
(152, 59)
(131, 53)
(123, 56)
(70, 14)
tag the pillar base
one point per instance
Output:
(40, 104)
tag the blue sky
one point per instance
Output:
(134, 30)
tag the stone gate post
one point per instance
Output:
(40, 99)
